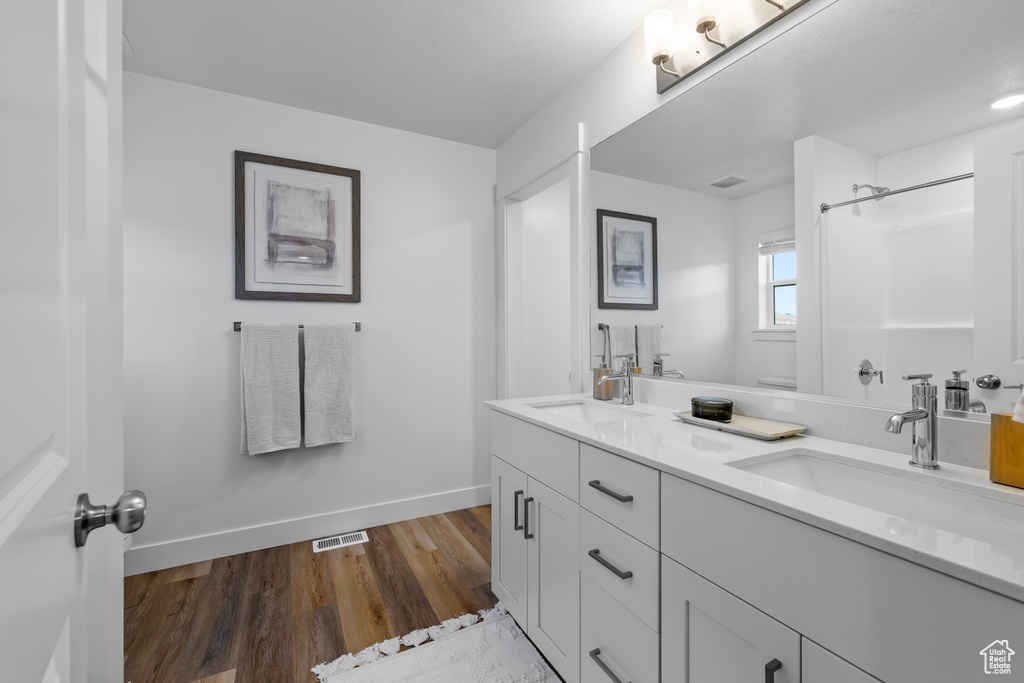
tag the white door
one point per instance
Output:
(60, 326)
(543, 285)
(999, 264)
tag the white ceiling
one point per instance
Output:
(876, 75)
(473, 71)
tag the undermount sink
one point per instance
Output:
(583, 411)
(967, 510)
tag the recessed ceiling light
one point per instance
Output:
(1008, 100)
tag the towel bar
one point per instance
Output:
(602, 326)
(238, 326)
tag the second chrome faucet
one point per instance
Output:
(626, 376)
(924, 403)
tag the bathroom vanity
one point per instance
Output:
(633, 547)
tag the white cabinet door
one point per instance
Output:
(508, 541)
(712, 636)
(821, 666)
(553, 531)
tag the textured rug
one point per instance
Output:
(485, 647)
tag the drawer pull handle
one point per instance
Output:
(769, 670)
(515, 514)
(526, 518)
(608, 492)
(596, 554)
(595, 654)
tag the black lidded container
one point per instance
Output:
(712, 408)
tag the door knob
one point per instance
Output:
(127, 514)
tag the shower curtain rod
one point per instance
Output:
(965, 176)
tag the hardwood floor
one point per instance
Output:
(273, 614)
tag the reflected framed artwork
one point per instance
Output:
(627, 260)
(296, 230)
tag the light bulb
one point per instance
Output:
(1007, 101)
(658, 35)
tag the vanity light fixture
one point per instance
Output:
(1008, 100)
(706, 24)
(673, 65)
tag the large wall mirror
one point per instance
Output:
(759, 287)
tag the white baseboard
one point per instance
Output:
(147, 558)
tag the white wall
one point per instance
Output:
(695, 274)
(760, 354)
(425, 354)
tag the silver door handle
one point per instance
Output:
(127, 514)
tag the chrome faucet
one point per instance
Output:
(924, 401)
(659, 368)
(626, 376)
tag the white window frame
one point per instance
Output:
(767, 283)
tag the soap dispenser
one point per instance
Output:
(606, 391)
(958, 395)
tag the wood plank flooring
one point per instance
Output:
(273, 614)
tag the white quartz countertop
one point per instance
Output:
(702, 455)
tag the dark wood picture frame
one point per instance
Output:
(241, 230)
(641, 274)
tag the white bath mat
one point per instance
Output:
(489, 647)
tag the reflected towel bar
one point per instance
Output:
(604, 326)
(238, 326)
(882, 195)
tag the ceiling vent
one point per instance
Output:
(726, 181)
(339, 541)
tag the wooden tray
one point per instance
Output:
(766, 430)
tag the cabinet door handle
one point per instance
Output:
(595, 654)
(596, 554)
(628, 498)
(526, 518)
(515, 504)
(769, 670)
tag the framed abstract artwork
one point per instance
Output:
(627, 260)
(296, 230)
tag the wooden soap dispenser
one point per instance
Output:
(1007, 450)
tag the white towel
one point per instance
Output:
(270, 388)
(648, 343)
(329, 384)
(623, 340)
(1018, 409)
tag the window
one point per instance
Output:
(778, 283)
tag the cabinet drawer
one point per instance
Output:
(625, 644)
(821, 666)
(548, 457)
(622, 477)
(622, 553)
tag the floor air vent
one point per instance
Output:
(339, 541)
(725, 181)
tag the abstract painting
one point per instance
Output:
(296, 230)
(627, 260)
